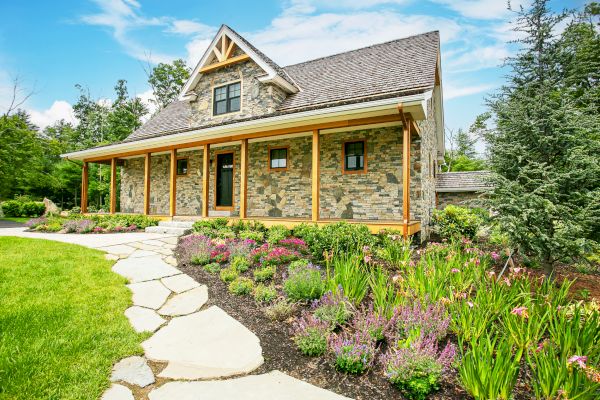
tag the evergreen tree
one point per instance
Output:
(544, 146)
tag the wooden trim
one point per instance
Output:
(224, 63)
(224, 208)
(262, 134)
(84, 187)
(113, 186)
(147, 169)
(287, 157)
(316, 175)
(357, 172)
(243, 178)
(406, 177)
(173, 184)
(205, 179)
(187, 172)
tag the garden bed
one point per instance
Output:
(95, 223)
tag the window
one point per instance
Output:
(227, 98)
(278, 158)
(354, 157)
(182, 166)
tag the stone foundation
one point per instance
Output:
(465, 199)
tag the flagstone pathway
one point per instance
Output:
(197, 347)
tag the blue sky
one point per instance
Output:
(51, 46)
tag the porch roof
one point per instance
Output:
(467, 181)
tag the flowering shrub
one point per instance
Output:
(239, 247)
(264, 294)
(295, 244)
(304, 284)
(264, 273)
(417, 368)
(310, 335)
(333, 308)
(279, 255)
(219, 256)
(240, 286)
(258, 253)
(280, 310)
(228, 274)
(191, 245)
(376, 325)
(353, 353)
(79, 226)
(34, 222)
(425, 320)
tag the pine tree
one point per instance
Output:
(546, 194)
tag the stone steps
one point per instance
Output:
(172, 227)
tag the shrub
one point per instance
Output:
(426, 320)
(240, 264)
(200, 259)
(12, 208)
(228, 274)
(277, 233)
(353, 353)
(32, 209)
(297, 265)
(78, 226)
(190, 246)
(239, 247)
(264, 294)
(211, 227)
(224, 233)
(295, 244)
(280, 310)
(304, 284)
(258, 253)
(252, 235)
(310, 335)
(213, 268)
(241, 286)
(346, 271)
(340, 237)
(456, 222)
(279, 255)
(376, 325)
(334, 309)
(417, 369)
(311, 234)
(109, 222)
(264, 273)
(35, 222)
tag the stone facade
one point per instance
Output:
(456, 198)
(256, 98)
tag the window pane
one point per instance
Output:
(234, 104)
(221, 107)
(182, 167)
(278, 158)
(354, 152)
(220, 93)
(234, 90)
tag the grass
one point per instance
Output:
(61, 320)
(16, 219)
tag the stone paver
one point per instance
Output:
(180, 283)
(171, 260)
(203, 345)
(170, 240)
(143, 319)
(133, 370)
(163, 251)
(142, 253)
(121, 250)
(186, 302)
(272, 386)
(153, 242)
(111, 257)
(144, 268)
(117, 392)
(150, 294)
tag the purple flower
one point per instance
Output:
(455, 270)
(520, 311)
(495, 256)
(579, 360)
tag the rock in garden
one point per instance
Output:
(133, 370)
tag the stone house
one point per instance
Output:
(355, 136)
(460, 188)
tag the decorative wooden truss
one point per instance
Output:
(222, 54)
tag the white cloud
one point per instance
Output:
(452, 92)
(482, 9)
(189, 27)
(60, 109)
(476, 58)
(146, 98)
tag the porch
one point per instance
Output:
(309, 188)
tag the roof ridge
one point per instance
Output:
(362, 48)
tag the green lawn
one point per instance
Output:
(16, 219)
(61, 320)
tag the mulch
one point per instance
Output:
(280, 352)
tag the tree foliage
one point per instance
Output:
(167, 80)
(544, 145)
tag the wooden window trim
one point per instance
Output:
(287, 158)
(224, 208)
(214, 100)
(188, 166)
(359, 172)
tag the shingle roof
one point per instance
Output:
(471, 181)
(378, 71)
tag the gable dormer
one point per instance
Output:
(234, 80)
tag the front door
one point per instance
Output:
(224, 195)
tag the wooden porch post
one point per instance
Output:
(316, 175)
(113, 185)
(244, 178)
(205, 179)
(406, 176)
(147, 166)
(173, 184)
(84, 186)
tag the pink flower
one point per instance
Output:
(495, 256)
(579, 360)
(470, 304)
(455, 270)
(477, 261)
(541, 345)
(491, 274)
(520, 311)
(507, 281)
(367, 259)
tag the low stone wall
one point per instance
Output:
(467, 199)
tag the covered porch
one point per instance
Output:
(315, 186)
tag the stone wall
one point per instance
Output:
(189, 187)
(132, 186)
(280, 193)
(467, 199)
(256, 98)
(236, 178)
(427, 163)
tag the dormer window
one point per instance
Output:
(227, 98)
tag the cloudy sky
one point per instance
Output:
(53, 45)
